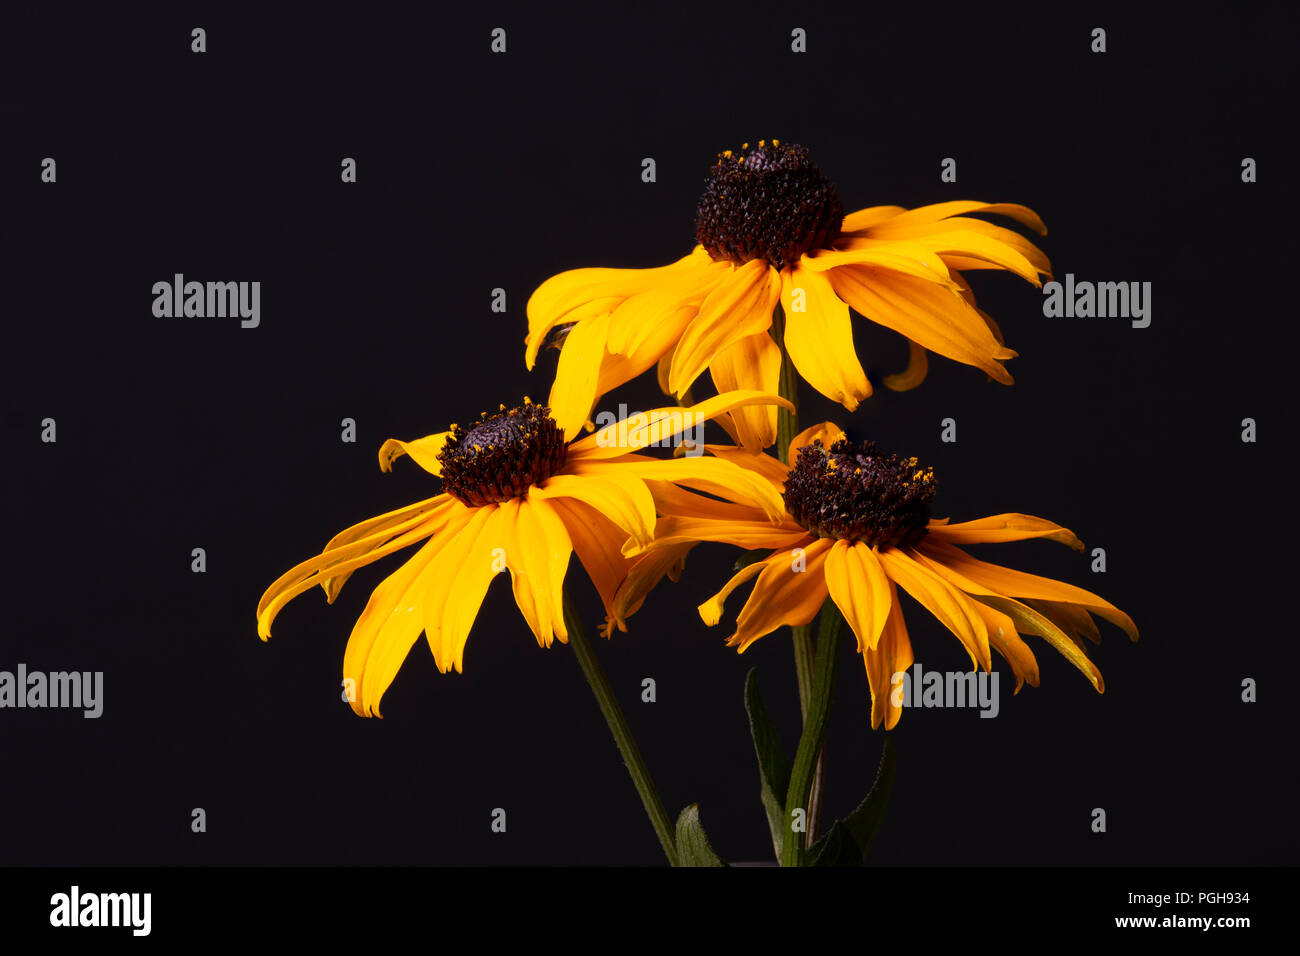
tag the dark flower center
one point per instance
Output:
(855, 493)
(502, 455)
(767, 202)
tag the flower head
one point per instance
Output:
(515, 498)
(857, 528)
(771, 231)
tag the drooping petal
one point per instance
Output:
(909, 258)
(934, 317)
(819, 337)
(1004, 527)
(960, 207)
(622, 498)
(465, 569)
(711, 610)
(943, 237)
(918, 364)
(952, 607)
(598, 543)
(1075, 621)
(573, 393)
(342, 561)
(645, 572)
(394, 617)
(423, 451)
(1018, 584)
(738, 307)
(860, 589)
(751, 364)
(789, 591)
(891, 655)
(675, 301)
(378, 531)
(1005, 640)
(1029, 621)
(558, 297)
(538, 557)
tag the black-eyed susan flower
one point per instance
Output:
(858, 527)
(518, 497)
(771, 230)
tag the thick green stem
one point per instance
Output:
(595, 674)
(787, 426)
(814, 732)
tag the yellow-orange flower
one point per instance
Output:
(771, 231)
(516, 497)
(857, 527)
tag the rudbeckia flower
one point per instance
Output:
(858, 527)
(771, 231)
(515, 497)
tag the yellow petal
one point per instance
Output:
(659, 426)
(643, 575)
(1005, 527)
(767, 466)
(917, 367)
(750, 535)
(711, 610)
(464, 570)
(819, 338)
(782, 595)
(423, 451)
(622, 498)
(573, 393)
(598, 543)
(960, 207)
(712, 475)
(555, 300)
(953, 608)
(936, 318)
(377, 531)
(891, 655)
(753, 364)
(870, 217)
(860, 589)
(1018, 584)
(740, 306)
(393, 619)
(1029, 621)
(342, 561)
(1005, 640)
(911, 258)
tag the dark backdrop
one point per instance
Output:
(479, 170)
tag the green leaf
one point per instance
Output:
(692, 845)
(773, 766)
(749, 557)
(849, 840)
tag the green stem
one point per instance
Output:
(595, 674)
(787, 422)
(814, 730)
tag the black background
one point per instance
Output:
(477, 171)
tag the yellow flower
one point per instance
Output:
(771, 230)
(516, 497)
(857, 527)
